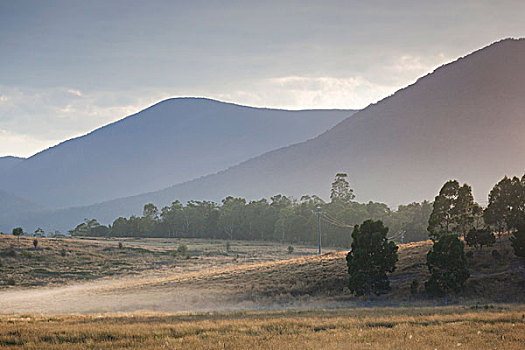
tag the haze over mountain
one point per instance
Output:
(170, 142)
(466, 120)
(8, 162)
(13, 211)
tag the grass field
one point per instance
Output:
(65, 261)
(92, 294)
(488, 327)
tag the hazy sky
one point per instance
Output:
(67, 67)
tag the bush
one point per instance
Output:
(182, 250)
(63, 252)
(11, 282)
(290, 249)
(120, 245)
(447, 265)
(495, 254)
(469, 254)
(228, 247)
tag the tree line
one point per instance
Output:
(455, 212)
(280, 218)
(455, 218)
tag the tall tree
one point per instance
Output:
(371, 258)
(447, 265)
(464, 209)
(341, 190)
(172, 218)
(442, 217)
(452, 211)
(506, 208)
(413, 220)
(18, 231)
(232, 216)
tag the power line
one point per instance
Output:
(319, 213)
(336, 221)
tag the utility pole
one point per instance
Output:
(319, 213)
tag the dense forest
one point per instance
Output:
(281, 219)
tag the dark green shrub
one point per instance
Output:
(290, 249)
(469, 254)
(447, 265)
(371, 258)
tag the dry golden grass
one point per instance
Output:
(372, 328)
(88, 259)
(145, 276)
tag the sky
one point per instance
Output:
(68, 67)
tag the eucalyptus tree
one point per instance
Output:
(372, 256)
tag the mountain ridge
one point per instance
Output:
(7, 162)
(464, 120)
(169, 142)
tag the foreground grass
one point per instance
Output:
(372, 328)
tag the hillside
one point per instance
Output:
(174, 141)
(8, 162)
(12, 209)
(144, 274)
(465, 121)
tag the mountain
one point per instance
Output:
(13, 211)
(465, 120)
(8, 162)
(171, 142)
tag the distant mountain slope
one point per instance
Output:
(171, 142)
(12, 209)
(466, 120)
(8, 162)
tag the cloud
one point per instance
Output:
(22, 145)
(35, 118)
(299, 92)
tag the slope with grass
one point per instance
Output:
(250, 275)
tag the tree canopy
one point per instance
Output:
(371, 258)
(447, 265)
(453, 210)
